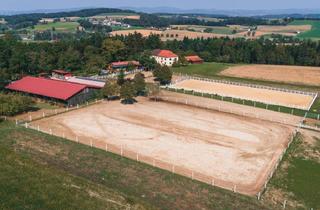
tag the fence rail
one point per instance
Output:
(169, 166)
(187, 77)
(295, 110)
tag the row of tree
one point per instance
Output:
(125, 89)
(91, 53)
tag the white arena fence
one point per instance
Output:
(187, 77)
(171, 167)
(125, 152)
(33, 116)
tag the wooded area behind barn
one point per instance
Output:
(89, 55)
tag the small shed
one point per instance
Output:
(194, 59)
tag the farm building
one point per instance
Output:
(61, 92)
(123, 65)
(91, 83)
(61, 74)
(194, 59)
(165, 57)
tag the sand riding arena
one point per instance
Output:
(268, 95)
(227, 150)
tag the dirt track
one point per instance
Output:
(267, 96)
(229, 148)
(288, 74)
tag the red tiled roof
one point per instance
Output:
(194, 58)
(125, 63)
(46, 87)
(164, 53)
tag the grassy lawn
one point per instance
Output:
(203, 70)
(118, 28)
(45, 172)
(299, 174)
(314, 33)
(59, 26)
(43, 105)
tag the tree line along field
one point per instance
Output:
(313, 34)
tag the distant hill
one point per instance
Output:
(237, 12)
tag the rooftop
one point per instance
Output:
(164, 53)
(46, 87)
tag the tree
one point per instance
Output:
(140, 84)
(111, 89)
(113, 47)
(163, 74)
(147, 61)
(12, 104)
(121, 78)
(127, 93)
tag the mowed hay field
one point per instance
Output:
(301, 75)
(228, 149)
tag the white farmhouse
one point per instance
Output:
(165, 57)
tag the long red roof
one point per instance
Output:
(46, 87)
(164, 53)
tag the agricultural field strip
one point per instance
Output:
(312, 94)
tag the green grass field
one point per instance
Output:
(39, 171)
(59, 26)
(314, 33)
(205, 70)
(299, 173)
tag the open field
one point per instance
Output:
(288, 74)
(169, 34)
(268, 96)
(200, 144)
(313, 34)
(59, 26)
(297, 180)
(285, 29)
(46, 172)
(198, 28)
(205, 69)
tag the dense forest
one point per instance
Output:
(90, 54)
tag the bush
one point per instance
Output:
(12, 104)
(163, 74)
(127, 93)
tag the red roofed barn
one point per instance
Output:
(194, 59)
(165, 57)
(55, 90)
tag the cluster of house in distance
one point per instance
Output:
(63, 88)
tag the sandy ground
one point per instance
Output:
(229, 107)
(288, 74)
(293, 100)
(228, 148)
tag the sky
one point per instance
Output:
(23, 5)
